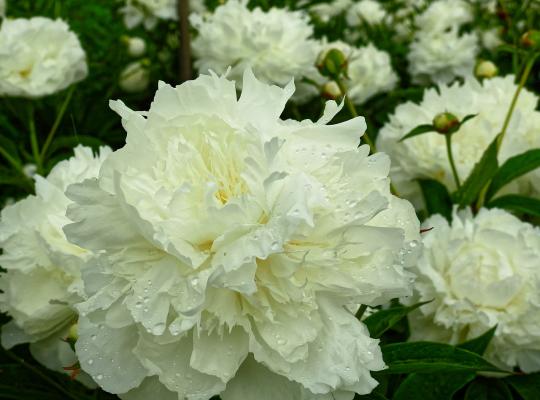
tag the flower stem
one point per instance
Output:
(523, 80)
(33, 139)
(361, 312)
(56, 123)
(451, 159)
(40, 374)
(354, 113)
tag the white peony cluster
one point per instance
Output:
(276, 44)
(42, 279)
(365, 11)
(148, 12)
(369, 71)
(481, 271)
(39, 57)
(230, 243)
(325, 11)
(425, 156)
(439, 53)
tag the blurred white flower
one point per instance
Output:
(444, 14)
(230, 242)
(29, 170)
(441, 57)
(135, 77)
(276, 44)
(3, 7)
(481, 271)
(365, 11)
(38, 57)
(136, 46)
(369, 71)
(425, 156)
(148, 12)
(42, 281)
(491, 38)
(325, 11)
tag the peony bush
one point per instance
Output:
(244, 200)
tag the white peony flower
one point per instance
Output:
(230, 242)
(38, 57)
(370, 71)
(491, 38)
(425, 156)
(481, 271)
(135, 77)
(276, 44)
(365, 11)
(42, 281)
(439, 53)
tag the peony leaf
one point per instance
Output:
(479, 344)
(482, 173)
(488, 389)
(429, 357)
(381, 321)
(437, 198)
(515, 202)
(528, 386)
(513, 168)
(432, 386)
(419, 130)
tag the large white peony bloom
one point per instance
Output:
(365, 11)
(42, 281)
(439, 53)
(481, 271)
(369, 71)
(230, 242)
(38, 57)
(276, 44)
(425, 156)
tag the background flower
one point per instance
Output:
(481, 271)
(228, 237)
(38, 57)
(42, 279)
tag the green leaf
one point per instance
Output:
(513, 168)
(488, 389)
(432, 386)
(382, 320)
(514, 202)
(528, 386)
(428, 357)
(482, 173)
(419, 130)
(437, 198)
(479, 344)
(69, 142)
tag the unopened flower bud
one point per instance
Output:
(135, 77)
(485, 69)
(531, 39)
(445, 122)
(331, 91)
(29, 170)
(136, 46)
(73, 333)
(332, 63)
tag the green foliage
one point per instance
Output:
(517, 203)
(436, 197)
(382, 320)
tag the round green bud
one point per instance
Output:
(332, 63)
(445, 122)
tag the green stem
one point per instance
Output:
(56, 123)
(451, 159)
(523, 80)
(361, 312)
(34, 140)
(354, 113)
(40, 374)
